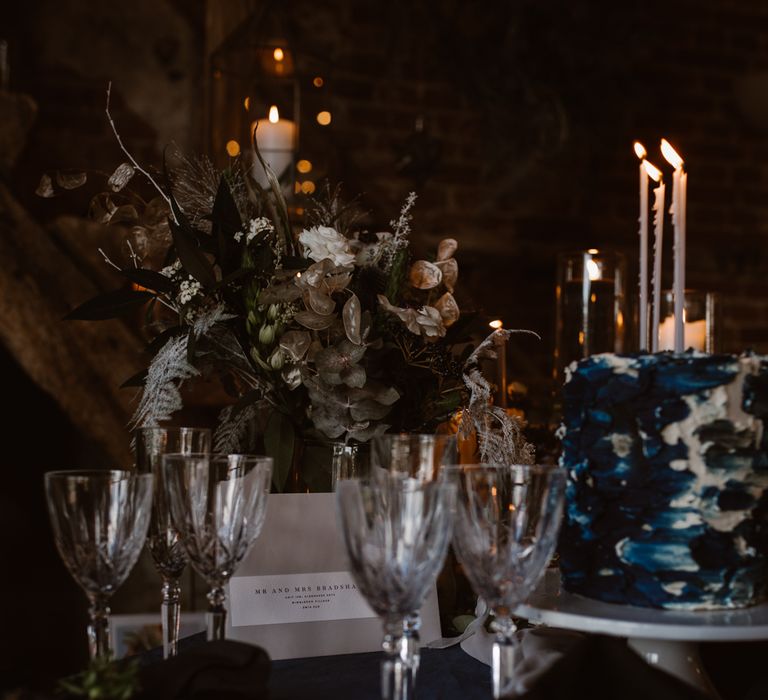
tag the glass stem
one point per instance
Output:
(98, 626)
(401, 657)
(217, 613)
(171, 616)
(503, 657)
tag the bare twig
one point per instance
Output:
(108, 261)
(129, 156)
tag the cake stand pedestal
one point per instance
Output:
(664, 638)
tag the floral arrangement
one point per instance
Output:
(326, 329)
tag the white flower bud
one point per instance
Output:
(267, 334)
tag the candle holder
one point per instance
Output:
(591, 314)
(701, 316)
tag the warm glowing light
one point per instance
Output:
(299, 211)
(581, 337)
(652, 171)
(593, 298)
(247, 103)
(620, 320)
(318, 82)
(298, 274)
(671, 155)
(593, 251)
(233, 148)
(304, 166)
(593, 270)
(274, 115)
(307, 187)
(496, 324)
(640, 151)
(278, 54)
(297, 187)
(494, 491)
(324, 118)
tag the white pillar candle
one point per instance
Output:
(275, 140)
(677, 209)
(643, 276)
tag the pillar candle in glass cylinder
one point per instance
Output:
(590, 314)
(275, 138)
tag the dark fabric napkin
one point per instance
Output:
(222, 670)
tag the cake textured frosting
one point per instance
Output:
(667, 496)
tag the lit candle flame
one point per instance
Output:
(652, 171)
(640, 151)
(593, 270)
(671, 155)
(274, 115)
(496, 324)
(278, 54)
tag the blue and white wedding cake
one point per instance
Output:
(667, 498)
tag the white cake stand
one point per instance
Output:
(664, 638)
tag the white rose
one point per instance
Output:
(324, 242)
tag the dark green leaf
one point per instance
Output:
(295, 262)
(279, 439)
(149, 279)
(135, 380)
(163, 338)
(109, 305)
(191, 347)
(193, 259)
(226, 223)
(241, 274)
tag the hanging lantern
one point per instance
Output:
(258, 78)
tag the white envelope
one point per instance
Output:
(297, 570)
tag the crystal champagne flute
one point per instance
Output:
(100, 521)
(396, 531)
(218, 505)
(419, 456)
(506, 524)
(167, 553)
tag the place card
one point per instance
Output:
(273, 600)
(293, 594)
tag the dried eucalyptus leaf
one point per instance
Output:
(125, 214)
(120, 178)
(352, 317)
(279, 294)
(70, 181)
(337, 282)
(386, 395)
(296, 344)
(450, 270)
(330, 424)
(319, 302)
(354, 376)
(314, 321)
(101, 208)
(368, 410)
(363, 434)
(45, 188)
(448, 308)
(425, 275)
(446, 248)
